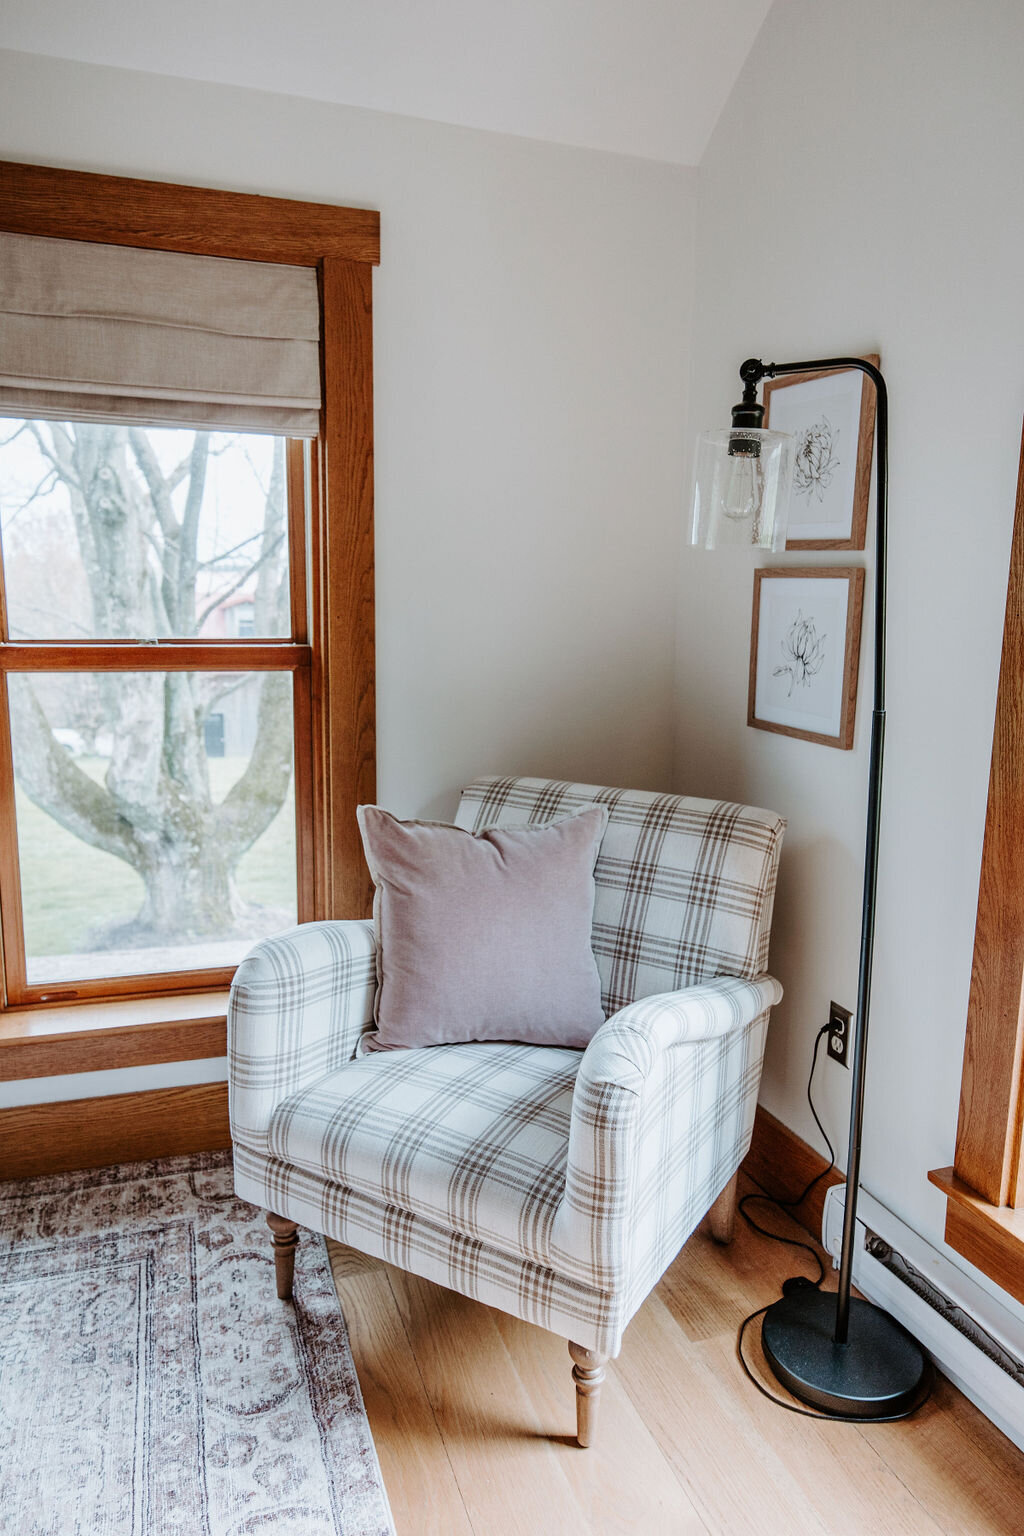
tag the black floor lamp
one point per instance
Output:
(838, 1353)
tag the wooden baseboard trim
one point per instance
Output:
(118, 1128)
(783, 1164)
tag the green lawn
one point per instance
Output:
(68, 887)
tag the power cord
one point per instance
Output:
(802, 1282)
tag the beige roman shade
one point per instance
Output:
(110, 333)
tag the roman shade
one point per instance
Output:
(93, 332)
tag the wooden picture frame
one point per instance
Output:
(832, 415)
(805, 652)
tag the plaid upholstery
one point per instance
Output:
(554, 1184)
(662, 1117)
(473, 1137)
(684, 887)
(299, 1005)
(490, 1275)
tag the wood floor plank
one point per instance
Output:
(623, 1484)
(970, 1476)
(738, 1487)
(704, 1299)
(847, 1491)
(756, 1261)
(421, 1485)
(486, 1416)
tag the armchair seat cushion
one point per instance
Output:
(472, 1137)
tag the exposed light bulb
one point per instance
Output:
(742, 488)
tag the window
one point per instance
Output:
(154, 809)
(186, 658)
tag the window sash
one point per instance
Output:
(189, 655)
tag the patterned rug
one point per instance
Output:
(152, 1384)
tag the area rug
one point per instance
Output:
(152, 1384)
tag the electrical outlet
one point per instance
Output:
(839, 1034)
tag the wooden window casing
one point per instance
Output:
(985, 1185)
(331, 651)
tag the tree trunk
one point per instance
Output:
(190, 894)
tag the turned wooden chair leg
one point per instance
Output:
(588, 1374)
(286, 1239)
(722, 1215)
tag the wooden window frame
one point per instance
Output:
(331, 654)
(985, 1185)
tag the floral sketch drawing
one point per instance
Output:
(816, 460)
(804, 650)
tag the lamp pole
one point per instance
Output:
(869, 1367)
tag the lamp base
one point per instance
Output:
(877, 1374)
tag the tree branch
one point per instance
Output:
(225, 554)
(222, 597)
(157, 483)
(190, 534)
(59, 451)
(54, 782)
(271, 587)
(44, 487)
(252, 803)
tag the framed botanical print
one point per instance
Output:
(832, 418)
(805, 652)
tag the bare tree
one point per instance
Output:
(137, 531)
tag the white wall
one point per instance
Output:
(532, 314)
(862, 192)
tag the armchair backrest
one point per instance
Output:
(685, 887)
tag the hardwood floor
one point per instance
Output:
(473, 1415)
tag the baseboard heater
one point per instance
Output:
(973, 1338)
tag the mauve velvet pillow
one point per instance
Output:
(484, 936)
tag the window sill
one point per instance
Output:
(93, 1037)
(991, 1237)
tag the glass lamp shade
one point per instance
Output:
(742, 487)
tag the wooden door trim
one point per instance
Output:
(989, 1131)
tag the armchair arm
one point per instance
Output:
(659, 1110)
(625, 1049)
(299, 1005)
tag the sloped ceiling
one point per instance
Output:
(636, 77)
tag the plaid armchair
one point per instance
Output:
(557, 1185)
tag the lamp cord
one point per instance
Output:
(802, 1282)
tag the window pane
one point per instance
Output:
(155, 819)
(142, 533)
